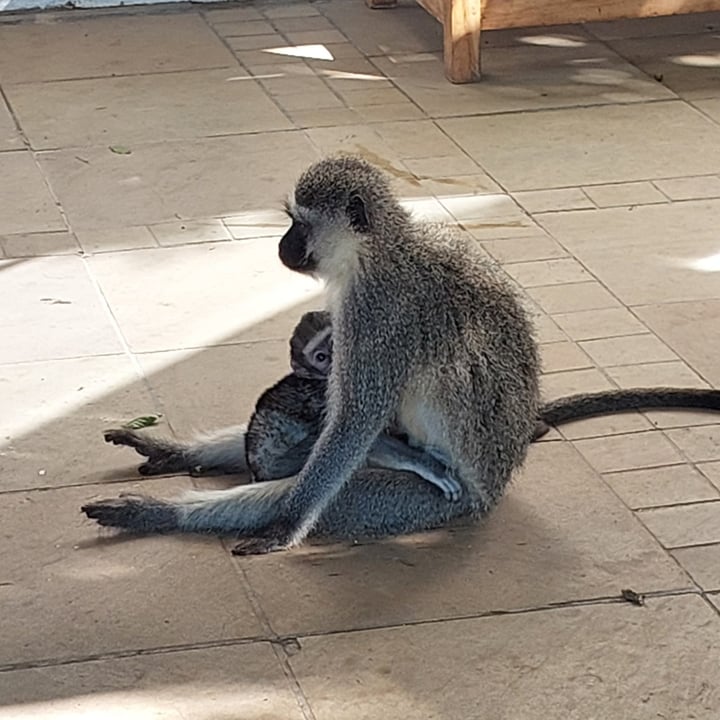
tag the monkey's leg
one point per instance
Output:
(220, 453)
(389, 452)
(374, 503)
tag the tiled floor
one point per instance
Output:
(143, 158)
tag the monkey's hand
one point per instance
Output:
(137, 513)
(272, 538)
(164, 457)
(451, 488)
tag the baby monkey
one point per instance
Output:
(284, 427)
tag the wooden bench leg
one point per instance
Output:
(380, 4)
(461, 30)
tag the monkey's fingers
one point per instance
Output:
(124, 436)
(138, 513)
(451, 488)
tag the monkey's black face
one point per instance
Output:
(294, 249)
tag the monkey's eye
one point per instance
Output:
(320, 357)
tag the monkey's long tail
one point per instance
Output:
(584, 405)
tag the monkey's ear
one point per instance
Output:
(357, 214)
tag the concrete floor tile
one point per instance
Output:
(652, 254)
(239, 28)
(688, 24)
(692, 327)
(10, 138)
(603, 661)
(163, 182)
(131, 110)
(547, 272)
(572, 297)
(123, 238)
(703, 564)
(290, 11)
(695, 524)
(34, 244)
(691, 188)
(538, 150)
(217, 387)
(595, 324)
(627, 350)
(538, 201)
(406, 29)
(629, 452)
(674, 372)
(685, 64)
(96, 47)
(524, 78)
(154, 294)
(661, 486)
(711, 470)
(546, 329)
(55, 300)
(715, 599)
(605, 425)
(232, 14)
(574, 381)
(515, 250)
(180, 233)
(624, 194)
(85, 593)
(54, 415)
(540, 545)
(560, 356)
(26, 205)
(244, 43)
(700, 444)
(195, 684)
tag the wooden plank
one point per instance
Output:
(461, 40)
(498, 14)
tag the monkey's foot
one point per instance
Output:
(138, 513)
(258, 546)
(541, 429)
(163, 457)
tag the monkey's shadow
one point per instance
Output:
(520, 556)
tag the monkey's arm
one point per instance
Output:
(364, 392)
(389, 452)
(219, 453)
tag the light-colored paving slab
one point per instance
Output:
(237, 284)
(601, 661)
(9, 136)
(26, 204)
(159, 182)
(166, 106)
(536, 150)
(691, 327)
(103, 47)
(225, 682)
(54, 299)
(56, 410)
(651, 254)
(522, 78)
(68, 592)
(686, 64)
(540, 546)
